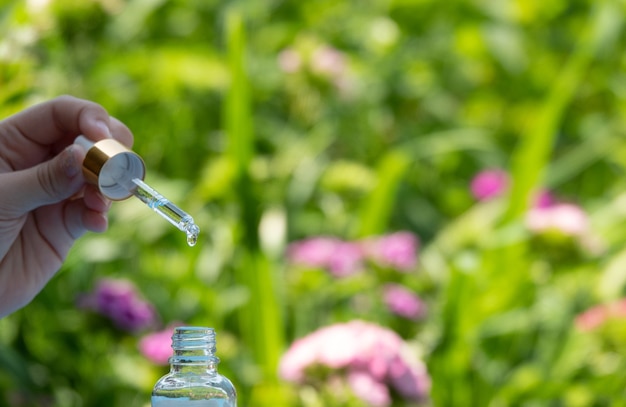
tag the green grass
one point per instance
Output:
(414, 98)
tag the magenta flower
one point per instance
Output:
(119, 301)
(397, 250)
(403, 302)
(111, 295)
(372, 358)
(544, 199)
(489, 184)
(136, 314)
(410, 380)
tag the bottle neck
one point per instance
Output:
(194, 350)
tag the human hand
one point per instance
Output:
(45, 204)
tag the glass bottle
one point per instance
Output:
(193, 380)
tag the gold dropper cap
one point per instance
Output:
(112, 167)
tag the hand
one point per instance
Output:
(45, 204)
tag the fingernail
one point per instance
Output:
(105, 128)
(68, 162)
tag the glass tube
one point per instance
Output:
(164, 207)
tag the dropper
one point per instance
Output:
(119, 172)
(164, 207)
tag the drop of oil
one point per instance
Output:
(192, 234)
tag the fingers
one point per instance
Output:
(79, 219)
(58, 122)
(92, 207)
(121, 133)
(94, 216)
(93, 221)
(61, 119)
(43, 184)
(48, 183)
(94, 200)
(76, 219)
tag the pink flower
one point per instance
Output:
(596, 316)
(371, 356)
(618, 308)
(343, 258)
(366, 388)
(378, 348)
(341, 351)
(289, 60)
(346, 259)
(339, 257)
(328, 61)
(591, 319)
(157, 346)
(489, 184)
(397, 250)
(567, 219)
(314, 252)
(403, 302)
(295, 362)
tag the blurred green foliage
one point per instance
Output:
(245, 125)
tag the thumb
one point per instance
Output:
(47, 183)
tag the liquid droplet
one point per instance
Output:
(192, 234)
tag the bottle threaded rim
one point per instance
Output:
(192, 345)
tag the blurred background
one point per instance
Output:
(401, 202)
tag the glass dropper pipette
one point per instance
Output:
(164, 207)
(118, 172)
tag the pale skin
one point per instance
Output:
(45, 204)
